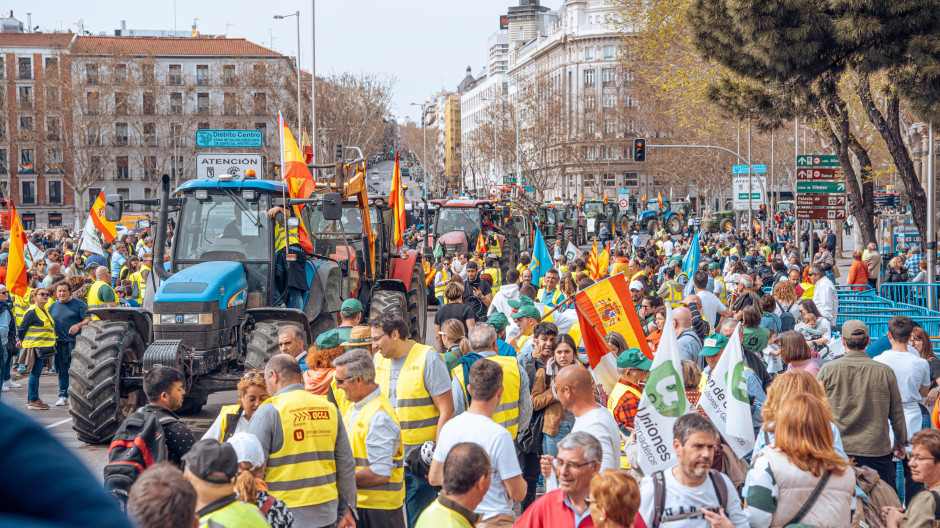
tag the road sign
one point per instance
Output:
(817, 160)
(887, 199)
(820, 214)
(821, 200)
(529, 188)
(760, 168)
(509, 179)
(215, 165)
(229, 138)
(742, 169)
(524, 180)
(820, 174)
(623, 191)
(742, 186)
(820, 187)
(624, 203)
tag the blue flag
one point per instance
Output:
(541, 258)
(691, 259)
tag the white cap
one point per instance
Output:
(636, 285)
(248, 449)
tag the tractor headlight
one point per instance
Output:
(197, 318)
(166, 319)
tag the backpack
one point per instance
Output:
(11, 332)
(139, 443)
(787, 321)
(659, 497)
(880, 494)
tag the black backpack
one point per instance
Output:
(787, 321)
(139, 443)
(659, 497)
(11, 332)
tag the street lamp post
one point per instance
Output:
(424, 134)
(297, 64)
(313, 77)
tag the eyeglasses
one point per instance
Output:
(4, 292)
(42, 295)
(919, 458)
(561, 465)
(340, 381)
(249, 375)
(376, 339)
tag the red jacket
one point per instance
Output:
(550, 511)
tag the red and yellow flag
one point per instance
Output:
(644, 199)
(610, 308)
(481, 244)
(592, 260)
(396, 200)
(603, 262)
(659, 198)
(606, 196)
(17, 278)
(297, 177)
(307, 147)
(108, 229)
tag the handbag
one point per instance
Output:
(530, 438)
(44, 352)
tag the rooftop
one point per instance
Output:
(175, 47)
(35, 40)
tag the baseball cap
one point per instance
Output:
(247, 449)
(760, 258)
(636, 285)
(473, 264)
(499, 321)
(527, 311)
(209, 456)
(523, 300)
(714, 265)
(633, 358)
(735, 257)
(713, 345)
(854, 328)
(328, 339)
(350, 306)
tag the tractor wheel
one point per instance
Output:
(651, 226)
(106, 353)
(568, 233)
(390, 301)
(418, 307)
(727, 225)
(262, 344)
(674, 225)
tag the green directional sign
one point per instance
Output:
(817, 160)
(820, 187)
(509, 180)
(754, 196)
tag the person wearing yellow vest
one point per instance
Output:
(36, 335)
(524, 261)
(480, 424)
(551, 294)
(375, 436)
(492, 269)
(101, 294)
(441, 279)
(527, 317)
(466, 481)
(232, 419)
(310, 463)
(415, 380)
(291, 258)
(515, 405)
(624, 400)
(211, 468)
(139, 277)
(721, 290)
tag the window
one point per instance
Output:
(610, 180)
(176, 103)
(53, 156)
(202, 126)
(259, 74)
(589, 180)
(202, 74)
(149, 103)
(120, 73)
(93, 194)
(588, 77)
(175, 75)
(610, 100)
(260, 101)
(3, 130)
(122, 170)
(55, 192)
(589, 53)
(150, 134)
(263, 127)
(120, 134)
(147, 193)
(628, 77)
(146, 73)
(228, 104)
(24, 95)
(24, 68)
(590, 127)
(91, 103)
(176, 135)
(124, 192)
(610, 52)
(28, 195)
(590, 103)
(52, 94)
(120, 103)
(26, 124)
(228, 75)
(608, 127)
(608, 77)
(631, 179)
(91, 135)
(3, 161)
(52, 128)
(589, 153)
(52, 67)
(150, 167)
(202, 103)
(91, 73)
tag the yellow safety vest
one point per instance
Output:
(20, 305)
(619, 390)
(138, 279)
(554, 299)
(388, 496)
(279, 236)
(303, 472)
(575, 333)
(437, 516)
(416, 410)
(439, 289)
(93, 301)
(507, 413)
(227, 413)
(674, 296)
(521, 341)
(236, 514)
(497, 275)
(521, 267)
(724, 289)
(40, 336)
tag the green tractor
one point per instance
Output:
(596, 212)
(722, 221)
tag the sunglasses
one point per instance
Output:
(249, 375)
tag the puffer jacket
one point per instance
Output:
(832, 508)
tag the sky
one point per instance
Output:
(426, 45)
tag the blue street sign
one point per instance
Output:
(759, 169)
(229, 138)
(529, 188)
(742, 169)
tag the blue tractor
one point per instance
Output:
(221, 298)
(656, 216)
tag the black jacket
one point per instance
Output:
(179, 439)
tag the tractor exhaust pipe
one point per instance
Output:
(159, 242)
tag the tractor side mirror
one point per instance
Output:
(143, 224)
(332, 206)
(114, 208)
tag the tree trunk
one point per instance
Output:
(864, 212)
(839, 132)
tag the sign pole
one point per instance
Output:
(930, 243)
(750, 182)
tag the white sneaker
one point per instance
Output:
(62, 401)
(11, 385)
(5, 389)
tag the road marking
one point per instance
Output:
(60, 422)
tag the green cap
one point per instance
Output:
(677, 260)
(350, 306)
(523, 300)
(714, 265)
(499, 321)
(713, 345)
(527, 311)
(634, 358)
(328, 339)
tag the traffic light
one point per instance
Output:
(339, 151)
(639, 150)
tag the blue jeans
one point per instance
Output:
(550, 442)
(419, 494)
(7, 365)
(32, 393)
(62, 362)
(295, 298)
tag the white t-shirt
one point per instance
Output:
(710, 306)
(680, 499)
(912, 372)
(601, 424)
(667, 248)
(215, 431)
(497, 442)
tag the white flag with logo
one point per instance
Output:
(662, 403)
(91, 238)
(572, 252)
(725, 399)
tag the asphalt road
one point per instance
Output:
(383, 184)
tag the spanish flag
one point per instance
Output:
(307, 147)
(603, 262)
(605, 197)
(644, 199)
(17, 278)
(481, 244)
(659, 198)
(297, 176)
(592, 261)
(107, 229)
(396, 201)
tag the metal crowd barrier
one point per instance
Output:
(914, 293)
